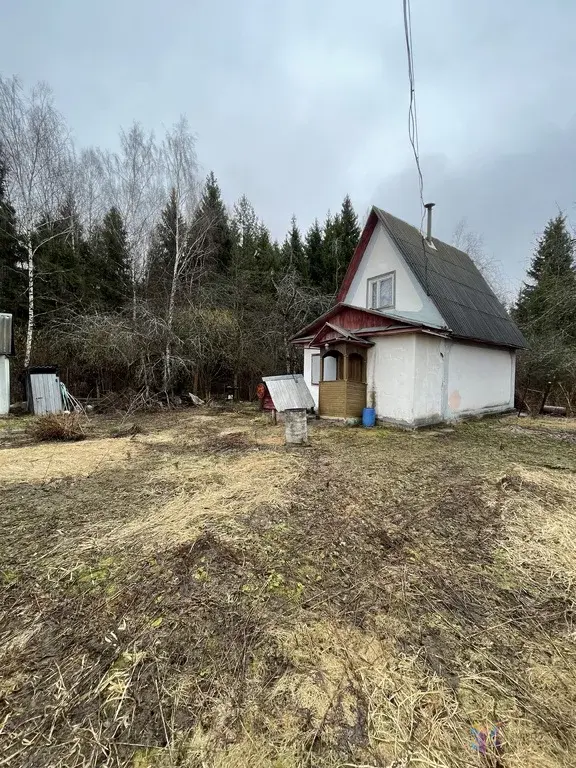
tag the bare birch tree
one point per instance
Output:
(472, 243)
(132, 182)
(38, 154)
(181, 179)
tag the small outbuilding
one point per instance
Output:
(6, 350)
(286, 392)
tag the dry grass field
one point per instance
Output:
(200, 595)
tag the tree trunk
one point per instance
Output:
(30, 330)
(171, 303)
(545, 397)
(169, 321)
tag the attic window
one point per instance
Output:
(381, 291)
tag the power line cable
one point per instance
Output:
(412, 110)
(413, 124)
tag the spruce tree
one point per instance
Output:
(349, 231)
(547, 306)
(107, 273)
(12, 277)
(60, 263)
(211, 228)
(555, 253)
(245, 231)
(331, 256)
(314, 248)
(293, 252)
(170, 230)
(341, 235)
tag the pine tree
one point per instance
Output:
(107, 272)
(314, 248)
(211, 228)
(548, 305)
(12, 277)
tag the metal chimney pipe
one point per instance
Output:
(429, 207)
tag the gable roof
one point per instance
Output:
(450, 278)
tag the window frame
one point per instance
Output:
(319, 356)
(376, 280)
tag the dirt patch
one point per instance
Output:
(215, 599)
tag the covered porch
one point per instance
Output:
(342, 379)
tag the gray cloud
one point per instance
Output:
(296, 103)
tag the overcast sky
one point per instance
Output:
(297, 102)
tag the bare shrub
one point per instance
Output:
(57, 426)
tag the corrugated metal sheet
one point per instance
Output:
(454, 283)
(289, 391)
(6, 338)
(46, 396)
(4, 385)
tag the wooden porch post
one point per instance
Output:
(321, 367)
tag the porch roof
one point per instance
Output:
(354, 324)
(330, 332)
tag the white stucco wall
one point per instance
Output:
(428, 378)
(480, 379)
(391, 377)
(308, 352)
(423, 379)
(381, 256)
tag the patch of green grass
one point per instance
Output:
(8, 576)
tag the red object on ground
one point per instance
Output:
(264, 396)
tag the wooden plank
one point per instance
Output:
(342, 399)
(332, 398)
(355, 399)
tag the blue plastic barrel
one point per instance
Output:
(369, 417)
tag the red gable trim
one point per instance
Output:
(352, 319)
(330, 332)
(358, 254)
(348, 317)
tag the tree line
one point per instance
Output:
(546, 312)
(128, 270)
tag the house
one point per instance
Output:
(417, 333)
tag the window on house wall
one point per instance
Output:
(315, 376)
(333, 366)
(381, 291)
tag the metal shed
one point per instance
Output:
(6, 349)
(43, 390)
(6, 334)
(289, 391)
